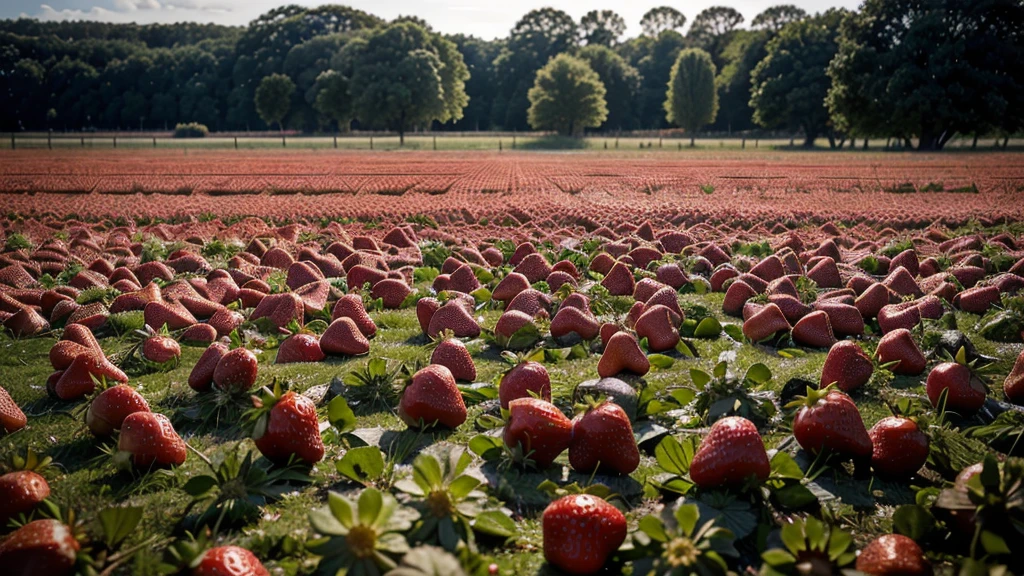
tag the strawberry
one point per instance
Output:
(534, 267)
(509, 287)
(900, 447)
(847, 366)
(530, 302)
(571, 320)
(148, 439)
(907, 259)
(236, 371)
(453, 355)
(12, 418)
(524, 380)
(829, 420)
(78, 380)
(1013, 386)
(872, 300)
(966, 391)
(977, 300)
(540, 429)
(287, 424)
(425, 308)
(343, 337)
(814, 330)
(901, 282)
(729, 455)
(619, 280)
(281, 309)
(844, 318)
(825, 273)
(456, 315)
(199, 334)
(736, 296)
(224, 321)
(603, 437)
(300, 347)
(229, 561)
(20, 492)
(351, 306)
(904, 315)
(899, 345)
(622, 354)
(765, 323)
(392, 292)
(722, 275)
(201, 377)
(657, 326)
(160, 349)
(432, 397)
(174, 315)
(581, 532)
(39, 547)
(110, 407)
(893, 555)
(463, 279)
(26, 322)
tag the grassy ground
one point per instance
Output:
(86, 480)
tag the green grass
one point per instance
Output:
(86, 480)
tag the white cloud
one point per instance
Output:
(132, 5)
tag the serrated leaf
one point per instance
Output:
(653, 527)
(486, 447)
(784, 466)
(673, 456)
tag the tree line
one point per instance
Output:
(905, 69)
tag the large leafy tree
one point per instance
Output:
(481, 88)
(929, 69)
(274, 98)
(304, 64)
(403, 76)
(712, 29)
(536, 38)
(658, 55)
(662, 19)
(775, 18)
(601, 27)
(332, 98)
(740, 56)
(621, 82)
(567, 96)
(692, 101)
(791, 83)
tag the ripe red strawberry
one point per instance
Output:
(20, 492)
(161, 349)
(893, 555)
(391, 291)
(455, 315)
(26, 322)
(900, 447)
(199, 334)
(844, 318)
(39, 547)
(510, 287)
(581, 532)
(847, 365)
(657, 326)
(82, 335)
(540, 429)
(729, 455)
(343, 337)
(1013, 386)
(899, 345)
(765, 323)
(425, 308)
(236, 371)
(524, 380)
(201, 377)
(619, 280)
(572, 320)
(966, 391)
(432, 397)
(736, 296)
(174, 315)
(534, 267)
(872, 300)
(453, 355)
(829, 420)
(905, 315)
(530, 302)
(300, 347)
(77, 381)
(229, 561)
(814, 330)
(224, 321)
(603, 437)
(287, 424)
(351, 306)
(622, 354)
(148, 439)
(901, 282)
(281, 309)
(11, 417)
(110, 407)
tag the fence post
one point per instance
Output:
(49, 139)
(680, 146)
(513, 141)
(435, 142)
(13, 145)
(115, 141)
(659, 142)
(756, 142)
(616, 142)
(743, 144)
(83, 141)
(154, 141)
(371, 142)
(283, 143)
(335, 141)
(236, 142)
(605, 144)
(499, 144)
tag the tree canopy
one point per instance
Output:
(775, 18)
(662, 19)
(621, 82)
(567, 96)
(601, 27)
(692, 101)
(273, 98)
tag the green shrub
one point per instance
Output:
(191, 130)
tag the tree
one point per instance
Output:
(481, 88)
(655, 70)
(791, 83)
(930, 69)
(273, 98)
(661, 19)
(403, 76)
(601, 27)
(536, 38)
(712, 29)
(621, 82)
(775, 18)
(740, 56)
(332, 98)
(304, 64)
(692, 101)
(567, 96)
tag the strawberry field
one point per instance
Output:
(429, 363)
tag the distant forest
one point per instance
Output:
(901, 68)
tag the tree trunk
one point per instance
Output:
(401, 130)
(974, 143)
(865, 143)
(691, 141)
(809, 138)
(831, 141)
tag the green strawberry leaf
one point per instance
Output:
(494, 523)
(362, 465)
(340, 415)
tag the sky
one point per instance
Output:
(483, 18)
